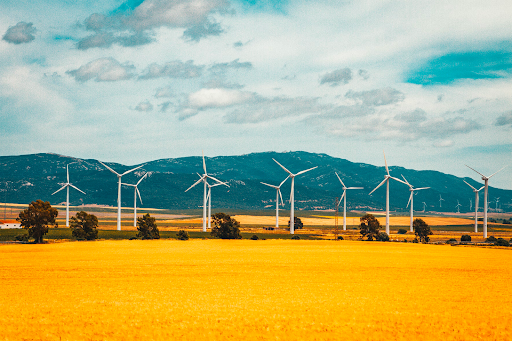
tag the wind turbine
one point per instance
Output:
(424, 206)
(476, 203)
(203, 178)
(411, 199)
(119, 176)
(67, 185)
(440, 200)
(458, 206)
(344, 196)
(486, 190)
(497, 201)
(292, 198)
(136, 191)
(386, 180)
(470, 204)
(209, 199)
(278, 195)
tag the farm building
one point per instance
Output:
(10, 224)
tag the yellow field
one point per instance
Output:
(273, 289)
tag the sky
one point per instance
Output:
(428, 82)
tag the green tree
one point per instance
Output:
(182, 235)
(421, 230)
(297, 223)
(36, 219)
(147, 227)
(84, 226)
(369, 226)
(225, 227)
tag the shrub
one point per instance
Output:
(465, 238)
(421, 230)
(491, 239)
(296, 237)
(254, 237)
(182, 235)
(340, 237)
(297, 223)
(402, 231)
(382, 237)
(451, 241)
(405, 240)
(415, 240)
(225, 227)
(21, 237)
(147, 227)
(501, 242)
(84, 226)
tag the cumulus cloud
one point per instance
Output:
(102, 70)
(235, 65)
(133, 26)
(164, 106)
(219, 73)
(175, 69)
(336, 77)
(504, 119)
(218, 98)
(164, 92)
(20, 33)
(145, 106)
(377, 97)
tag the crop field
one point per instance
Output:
(244, 289)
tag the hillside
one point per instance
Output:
(28, 177)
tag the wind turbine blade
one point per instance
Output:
(283, 167)
(474, 189)
(406, 180)
(385, 162)
(340, 179)
(204, 164)
(137, 190)
(77, 188)
(208, 195)
(304, 171)
(481, 188)
(195, 183)
(419, 189)
(342, 196)
(282, 182)
(281, 196)
(355, 188)
(211, 177)
(496, 172)
(475, 171)
(219, 184)
(60, 189)
(276, 187)
(131, 170)
(382, 183)
(67, 172)
(110, 169)
(397, 179)
(410, 198)
(138, 182)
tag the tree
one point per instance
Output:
(147, 227)
(225, 227)
(36, 219)
(84, 226)
(182, 235)
(421, 230)
(369, 226)
(297, 223)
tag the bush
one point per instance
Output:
(382, 237)
(297, 223)
(415, 240)
(402, 231)
(451, 241)
(295, 237)
(225, 227)
(465, 238)
(340, 237)
(21, 237)
(491, 239)
(182, 235)
(254, 237)
(501, 242)
(421, 230)
(84, 226)
(405, 240)
(147, 227)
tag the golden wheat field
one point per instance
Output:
(254, 290)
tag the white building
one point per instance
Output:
(10, 224)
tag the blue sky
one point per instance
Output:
(428, 82)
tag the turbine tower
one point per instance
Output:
(386, 180)
(203, 178)
(458, 206)
(470, 204)
(476, 203)
(344, 196)
(119, 176)
(209, 200)
(292, 198)
(136, 191)
(67, 185)
(278, 195)
(497, 201)
(486, 190)
(440, 200)
(411, 199)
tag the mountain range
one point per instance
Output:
(26, 178)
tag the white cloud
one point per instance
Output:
(336, 77)
(20, 33)
(377, 97)
(102, 70)
(174, 69)
(504, 119)
(217, 98)
(145, 106)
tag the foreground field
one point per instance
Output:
(273, 289)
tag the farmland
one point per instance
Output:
(271, 289)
